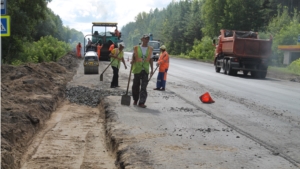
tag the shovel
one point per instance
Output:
(152, 74)
(101, 76)
(125, 100)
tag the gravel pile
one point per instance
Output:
(90, 97)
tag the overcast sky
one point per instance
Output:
(79, 14)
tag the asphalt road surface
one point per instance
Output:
(253, 123)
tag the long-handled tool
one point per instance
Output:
(125, 100)
(152, 74)
(101, 76)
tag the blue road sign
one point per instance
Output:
(5, 25)
(3, 7)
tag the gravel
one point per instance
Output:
(90, 97)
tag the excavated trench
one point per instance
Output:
(75, 135)
(96, 98)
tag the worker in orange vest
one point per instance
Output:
(163, 63)
(112, 46)
(99, 47)
(78, 48)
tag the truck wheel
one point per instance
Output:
(262, 75)
(245, 72)
(225, 66)
(218, 69)
(230, 71)
(254, 74)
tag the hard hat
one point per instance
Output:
(163, 47)
(122, 44)
(145, 36)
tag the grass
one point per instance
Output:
(186, 57)
(282, 70)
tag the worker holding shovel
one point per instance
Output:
(116, 56)
(142, 61)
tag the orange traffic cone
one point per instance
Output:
(205, 98)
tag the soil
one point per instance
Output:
(30, 93)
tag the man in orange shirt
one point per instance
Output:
(99, 47)
(163, 63)
(78, 48)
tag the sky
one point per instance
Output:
(79, 14)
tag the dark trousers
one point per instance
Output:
(161, 80)
(115, 78)
(139, 87)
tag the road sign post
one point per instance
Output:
(5, 26)
(299, 39)
(3, 7)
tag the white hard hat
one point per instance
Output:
(122, 44)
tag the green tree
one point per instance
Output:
(24, 17)
(203, 50)
(233, 14)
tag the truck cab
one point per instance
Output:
(155, 45)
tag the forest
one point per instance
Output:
(38, 34)
(187, 27)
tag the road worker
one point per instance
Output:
(141, 62)
(111, 47)
(116, 56)
(163, 63)
(117, 33)
(99, 47)
(78, 49)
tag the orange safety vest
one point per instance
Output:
(78, 47)
(163, 61)
(99, 50)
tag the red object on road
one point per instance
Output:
(205, 98)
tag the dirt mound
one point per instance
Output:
(29, 94)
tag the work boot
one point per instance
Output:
(162, 89)
(142, 105)
(135, 103)
(156, 89)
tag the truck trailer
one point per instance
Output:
(242, 51)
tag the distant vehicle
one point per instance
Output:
(91, 63)
(105, 38)
(242, 51)
(155, 44)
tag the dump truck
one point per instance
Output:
(242, 51)
(155, 43)
(105, 38)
